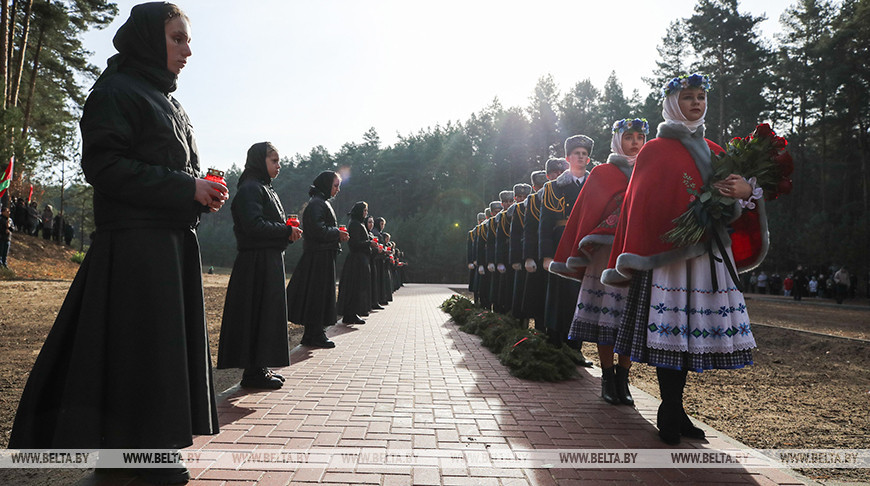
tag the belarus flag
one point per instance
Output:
(7, 177)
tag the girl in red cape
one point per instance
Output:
(683, 310)
(584, 251)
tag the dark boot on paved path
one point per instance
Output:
(622, 391)
(608, 386)
(668, 417)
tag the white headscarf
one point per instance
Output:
(672, 114)
(616, 147)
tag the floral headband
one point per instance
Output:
(638, 125)
(686, 81)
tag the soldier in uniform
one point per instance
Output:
(515, 251)
(558, 199)
(505, 273)
(535, 286)
(483, 275)
(471, 256)
(491, 226)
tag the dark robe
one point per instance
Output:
(374, 294)
(254, 327)
(126, 364)
(354, 288)
(311, 291)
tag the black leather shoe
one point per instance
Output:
(352, 319)
(274, 375)
(377, 307)
(263, 381)
(321, 343)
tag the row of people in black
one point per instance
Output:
(516, 238)
(254, 333)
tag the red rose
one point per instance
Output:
(785, 162)
(784, 186)
(692, 198)
(779, 142)
(763, 130)
(611, 220)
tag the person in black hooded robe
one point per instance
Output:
(311, 291)
(354, 288)
(126, 364)
(381, 268)
(254, 327)
(373, 265)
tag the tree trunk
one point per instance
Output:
(10, 41)
(32, 89)
(19, 69)
(4, 36)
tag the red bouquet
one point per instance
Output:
(762, 156)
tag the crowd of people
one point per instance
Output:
(612, 278)
(24, 218)
(837, 284)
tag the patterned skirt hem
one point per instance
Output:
(590, 332)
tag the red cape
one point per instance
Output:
(659, 193)
(600, 197)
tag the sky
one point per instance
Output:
(307, 73)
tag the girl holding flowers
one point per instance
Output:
(685, 310)
(584, 250)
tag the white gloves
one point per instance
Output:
(501, 268)
(480, 270)
(471, 266)
(531, 267)
(517, 266)
(490, 267)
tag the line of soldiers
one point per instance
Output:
(516, 237)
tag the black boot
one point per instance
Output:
(622, 391)
(687, 428)
(608, 386)
(668, 417)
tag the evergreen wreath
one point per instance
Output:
(526, 352)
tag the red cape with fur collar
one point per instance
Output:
(601, 197)
(659, 193)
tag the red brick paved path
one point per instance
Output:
(409, 379)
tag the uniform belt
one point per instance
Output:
(561, 222)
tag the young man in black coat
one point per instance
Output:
(504, 272)
(535, 287)
(515, 247)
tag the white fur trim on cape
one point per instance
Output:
(622, 163)
(560, 269)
